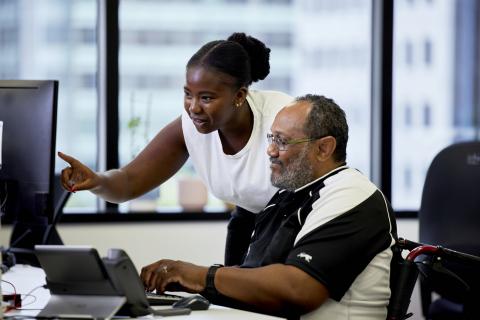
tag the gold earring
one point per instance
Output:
(238, 105)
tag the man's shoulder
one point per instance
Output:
(348, 179)
(336, 194)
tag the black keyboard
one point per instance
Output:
(163, 299)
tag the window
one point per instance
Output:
(317, 46)
(46, 40)
(157, 39)
(448, 86)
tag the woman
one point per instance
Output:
(223, 129)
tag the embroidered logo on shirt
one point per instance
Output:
(305, 256)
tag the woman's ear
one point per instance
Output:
(241, 95)
(326, 147)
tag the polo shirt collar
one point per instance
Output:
(328, 174)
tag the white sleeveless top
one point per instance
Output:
(242, 179)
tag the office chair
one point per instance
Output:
(449, 216)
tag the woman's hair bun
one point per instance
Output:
(258, 53)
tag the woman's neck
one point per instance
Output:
(235, 137)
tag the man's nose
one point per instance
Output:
(272, 150)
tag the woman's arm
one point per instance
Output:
(157, 162)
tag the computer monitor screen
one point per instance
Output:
(28, 112)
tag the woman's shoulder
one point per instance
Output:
(268, 101)
(269, 96)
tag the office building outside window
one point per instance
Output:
(443, 89)
(408, 115)
(427, 52)
(53, 39)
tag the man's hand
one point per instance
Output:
(169, 275)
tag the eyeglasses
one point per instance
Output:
(282, 144)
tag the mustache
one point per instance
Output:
(275, 161)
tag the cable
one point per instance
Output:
(11, 307)
(26, 295)
(29, 294)
(13, 286)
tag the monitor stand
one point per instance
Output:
(26, 234)
(82, 306)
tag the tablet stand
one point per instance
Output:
(82, 306)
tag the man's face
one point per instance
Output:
(293, 172)
(291, 168)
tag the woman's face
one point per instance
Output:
(210, 98)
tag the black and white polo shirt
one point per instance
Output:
(339, 229)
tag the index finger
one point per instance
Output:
(71, 160)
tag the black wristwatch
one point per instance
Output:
(210, 280)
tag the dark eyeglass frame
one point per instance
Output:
(282, 144)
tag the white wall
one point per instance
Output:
(199, 242)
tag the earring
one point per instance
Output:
(238, 104)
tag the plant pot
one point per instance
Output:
(192, 194)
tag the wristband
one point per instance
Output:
(210, 280)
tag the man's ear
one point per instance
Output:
(326, 147)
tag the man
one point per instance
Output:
(321, 248)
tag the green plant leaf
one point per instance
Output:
(133, 123)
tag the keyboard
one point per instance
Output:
(163, 299)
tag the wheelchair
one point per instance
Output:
(451, 274)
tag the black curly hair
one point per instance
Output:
(326, 118)
(243, 57)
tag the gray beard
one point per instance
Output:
(296, 174)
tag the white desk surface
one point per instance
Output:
(25, 278)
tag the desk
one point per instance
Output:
(25, 278)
